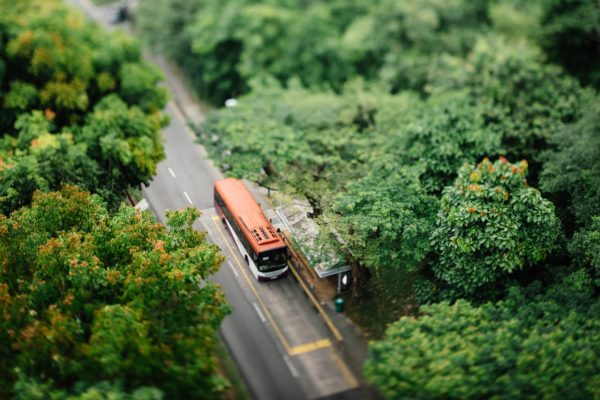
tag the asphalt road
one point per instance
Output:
(185, 178)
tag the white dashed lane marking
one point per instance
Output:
(232, 268)
(289, 364)
(207, 229)
(259, 312)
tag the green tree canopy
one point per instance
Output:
(569, 35)
(585, 249)
(491, 224)
(376, 106)
(311, 141)
(88, 298)
(323, 44)
(571, 175)
(118, 147)
(531, 345)
(238, 40)
(77, 106)
(572, 168)
(406, 40)
(385, 219)
(56, 61)
(521, 99)
(443, 133)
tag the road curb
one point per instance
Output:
(336, 333)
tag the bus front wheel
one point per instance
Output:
(246, 259)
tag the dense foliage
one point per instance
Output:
(572, 175)
(385, 222)
(572, 168)
(78, 106)
(296, 137)
(93, 302)
(522, 100)
(224, 45)
(491, 224)
(569, 34)
(530, 345)
(345, 153)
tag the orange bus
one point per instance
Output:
(263, 250)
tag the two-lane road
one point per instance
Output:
(186, 178)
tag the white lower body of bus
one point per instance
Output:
(257, 274)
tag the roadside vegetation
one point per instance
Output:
(97, 300)
(455, 143)
(100, 305)
(79, 106)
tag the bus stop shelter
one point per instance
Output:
(294, 220)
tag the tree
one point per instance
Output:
(79, 106)
(491, 224)
(311, 141)
(137, 81)
(444, 133)
(570, 37)
(585, 249)
(167, 25)
(89, 298)
(125, 142)
(385, 219)
(572, 167)
(57, 62)
(521, 99)
(31, 389)
(404, 40)
(19, 181)
(224, 45)
(118, 147)
(571, 175)
(531, 345)
(516, 20)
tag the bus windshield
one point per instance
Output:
(272, 260)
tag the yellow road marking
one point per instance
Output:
(308, 347)
(345, 370)
(328, 321)
(262, 305)
(302, 349)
